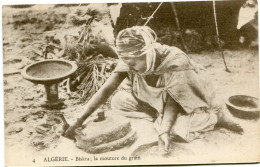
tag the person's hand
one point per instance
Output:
(70, 132)
(164, 142)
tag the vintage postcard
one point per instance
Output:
(148, 83)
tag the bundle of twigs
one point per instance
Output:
(95, 72)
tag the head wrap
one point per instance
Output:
(137, 41)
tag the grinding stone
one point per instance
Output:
(114, 145)
(107, 135)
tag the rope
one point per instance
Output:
(219, 44)
(152, 14)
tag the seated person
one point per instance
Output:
(161, 84)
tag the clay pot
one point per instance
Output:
(244, 107)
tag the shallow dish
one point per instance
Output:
(242, 106)
(49, 71)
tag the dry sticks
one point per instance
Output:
(219, 44)
(177, 23)
(153, 14)
(178, 26)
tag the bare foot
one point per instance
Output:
(234, 127)
(226, 121)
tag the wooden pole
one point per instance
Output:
(178, 26)
(152, 14)
(219, 44)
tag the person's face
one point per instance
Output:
(136, 64)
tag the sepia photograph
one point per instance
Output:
(131, 83)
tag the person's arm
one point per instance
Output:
(169, 117)
(100, 97)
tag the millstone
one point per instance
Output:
(99, 136)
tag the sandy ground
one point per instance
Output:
(23, 113)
